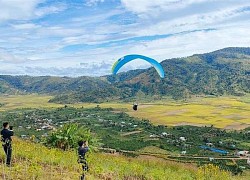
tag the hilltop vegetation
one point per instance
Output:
(223, 72)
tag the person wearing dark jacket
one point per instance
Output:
(82, 150)
(6, 133)
(135, 106)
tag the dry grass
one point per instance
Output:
(34, 161)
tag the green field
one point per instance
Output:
(222, 112)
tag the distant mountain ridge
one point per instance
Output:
(225, 71)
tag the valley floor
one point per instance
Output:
(222, 112)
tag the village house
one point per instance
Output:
(153, 136)
(242, 153)
(209, 144)
(182, 138)
(183, 152)
(211, 159)
(164, 134)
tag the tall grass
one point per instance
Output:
(36, 162)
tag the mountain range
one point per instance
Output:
(222, 72)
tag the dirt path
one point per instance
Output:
(168, 157)
(130, 133)
(237, 126)
(202, 157)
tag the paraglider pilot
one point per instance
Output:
(82, 150)
(135, 106)
(6, 133)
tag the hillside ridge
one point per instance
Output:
(225, 71)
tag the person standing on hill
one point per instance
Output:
(82, 150)
(6, 133)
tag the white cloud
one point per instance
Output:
(10, 58)
(27, 9)
(17, 9)
(165, 17)
(154, 6)
(92, 2)
(192, 22)
(192, 43)
(50, 9)
(58, 31)
(25, 26)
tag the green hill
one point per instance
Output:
(34, 161)
(225, 71)
(222, 72)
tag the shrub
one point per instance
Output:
(68, 136)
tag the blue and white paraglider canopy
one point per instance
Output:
(122, 61)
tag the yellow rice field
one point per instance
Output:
(222, 112)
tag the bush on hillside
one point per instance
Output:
(68, 136)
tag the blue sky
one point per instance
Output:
(84, 37)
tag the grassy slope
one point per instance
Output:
(34, 161)
(230, 112)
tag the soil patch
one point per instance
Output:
(237, 126)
